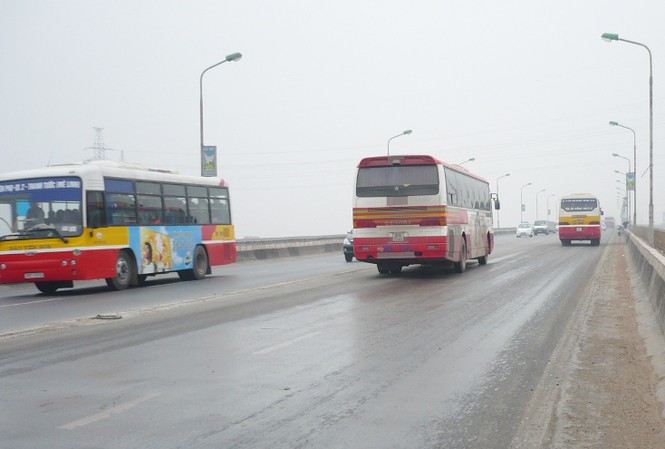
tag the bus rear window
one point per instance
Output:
(579, 204)
(397, 180)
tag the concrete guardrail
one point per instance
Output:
(651, 268)
(260, 249)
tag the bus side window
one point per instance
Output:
(95, 209)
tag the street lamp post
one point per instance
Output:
(634, 203)
(548, 206)
(403, 133)
(471, 159)
(522, 202)
(497, 195)
(229, 58)
(615, 37)
(626, 182)
(538, 193)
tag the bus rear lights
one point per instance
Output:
(364, 224)
(63, 263)
(3, 266)
(77, 252)
(433, 222)
(72, 262)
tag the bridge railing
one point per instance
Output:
(658, 236)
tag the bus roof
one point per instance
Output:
(418, 159)
(579, 195)
(106, 168)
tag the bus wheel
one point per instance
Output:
(200, 266)
(460, 266)
(47, 287)
(565, 242)
(123, 272)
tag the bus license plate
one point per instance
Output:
(398, 236)
(579, 229)
(34, 275)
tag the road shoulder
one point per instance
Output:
(599, 389)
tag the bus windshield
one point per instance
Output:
(399, 180)
(40, 208)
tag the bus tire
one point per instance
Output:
(565, 242)
(389, 268)
(460, 266)
(199, 266)
(124, 271)
(47, 287)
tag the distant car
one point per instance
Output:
(524, 229)
(347, 248)
(540, 227)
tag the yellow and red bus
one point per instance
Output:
(109, 220)
(579, 218)
(416, 209)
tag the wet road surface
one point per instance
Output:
(303, 352)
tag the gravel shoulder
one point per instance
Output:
(600, 388)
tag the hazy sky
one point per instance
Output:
(525, 87)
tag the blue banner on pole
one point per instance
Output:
(208, 160)
(630, 181)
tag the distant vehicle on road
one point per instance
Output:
(540, 227)
(524, 229)
(609, 222)
(347, 247)
(579, 218)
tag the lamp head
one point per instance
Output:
(614, 123)
(609, 37)
(408, 131)
(233, 57)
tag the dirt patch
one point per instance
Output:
(599, 389)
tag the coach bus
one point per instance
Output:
(579, 218)
(418, 210)
(114, 221)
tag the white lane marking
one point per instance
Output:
(29, 302)
(286, 343)
(499, 259)
(120, 408)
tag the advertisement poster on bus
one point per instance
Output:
(164, 249)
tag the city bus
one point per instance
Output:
(418, 210)
(579, 218)
(111, 220)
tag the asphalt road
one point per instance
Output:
(290, 353)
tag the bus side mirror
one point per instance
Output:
(497, 203)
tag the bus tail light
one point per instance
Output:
(439, 221)
(364, 224)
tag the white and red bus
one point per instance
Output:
(418, 210)
(115, 221)
(579, 218)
